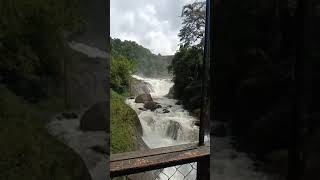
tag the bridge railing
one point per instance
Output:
(189, 161)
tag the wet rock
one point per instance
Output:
(165, 111)
(140, 87)
(95, 118)
(132, 97)
(143, 98)
(170, 95)
(142, 109)
(173, 130)
(69, 115)
(151, 105)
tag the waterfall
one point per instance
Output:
(167, 126)
(177, 127)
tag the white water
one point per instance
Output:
(159, 127)
(166, 129)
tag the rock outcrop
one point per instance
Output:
(151, 105)
(143, 98)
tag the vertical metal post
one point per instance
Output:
(302, 57)
(204, 78)
(203, 169)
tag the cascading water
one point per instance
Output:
(176, 126)
(167, 126)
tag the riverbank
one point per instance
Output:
(126, 130)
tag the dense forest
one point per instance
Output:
(187, 63)
(128, 58)
(146, 63)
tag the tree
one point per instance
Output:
(147, 63)
(120, 71)
(193, 21)
(187, 62)
(185, 67)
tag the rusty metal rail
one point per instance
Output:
(153, 159)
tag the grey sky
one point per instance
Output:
(155, 24)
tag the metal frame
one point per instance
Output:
(153, 159)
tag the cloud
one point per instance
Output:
(152, 23)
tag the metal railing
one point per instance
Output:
(188, 161)
(183, 172)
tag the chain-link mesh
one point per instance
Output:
(181, 172)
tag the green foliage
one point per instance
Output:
(27, 150)
(147, 63)
(123, 120)
(186, 67)
(193, 21)
(31, 41)
(120, 73)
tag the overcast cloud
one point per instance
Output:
(154, 24)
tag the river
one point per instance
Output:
(177, 127)
(160, 129)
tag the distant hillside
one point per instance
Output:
(147, 63)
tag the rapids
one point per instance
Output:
(166, 129)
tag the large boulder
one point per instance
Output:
(140, 87)
(142, 98)
(151, 105)
(165, 111)
(95, 118)
(170, 95)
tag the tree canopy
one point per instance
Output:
(187, 61)
(193, 23)
(147, 63)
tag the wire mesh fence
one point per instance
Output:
(181, 172)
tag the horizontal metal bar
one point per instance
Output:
(141, 161)
(151, 152)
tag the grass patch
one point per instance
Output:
(27, 150)
(123, 120)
